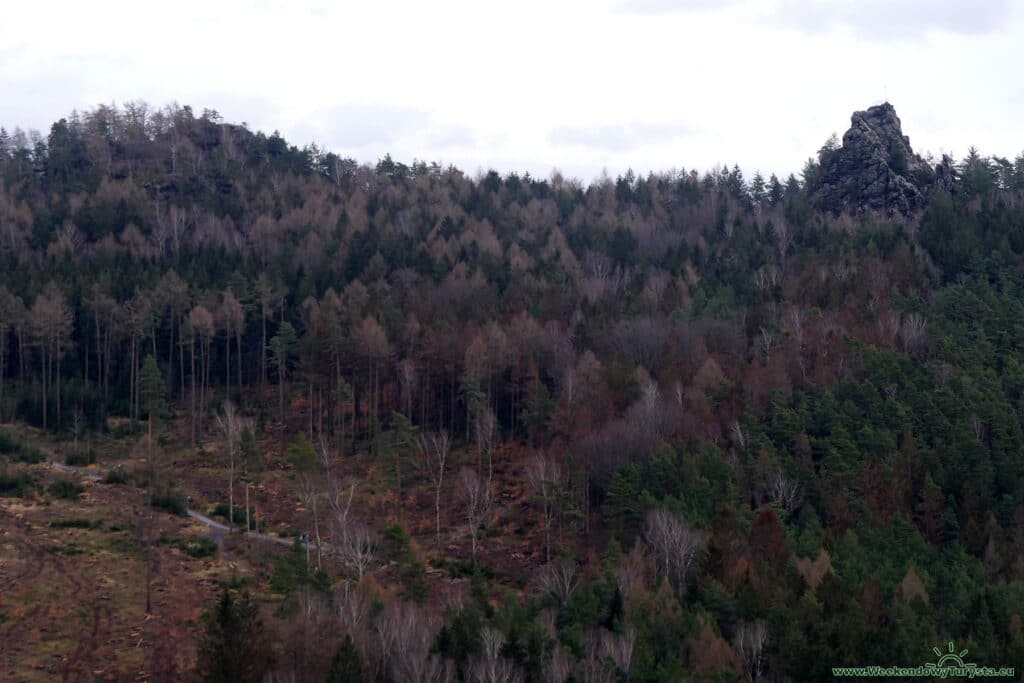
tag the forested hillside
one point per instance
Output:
(758, 438)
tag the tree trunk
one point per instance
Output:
(3, 358)
(192, 406)
(437, 512)
(45, 373)
(238, 357)
(263, 350)
(231, 484)
(170, 359)
(181, 358)
(21, 355)
(227, 364)
(280, 413)
(316, 530)
(58, 385)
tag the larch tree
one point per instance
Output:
(231, 318)
(372, 344)
(11, 312)
(153, 395)
(174, 299)
(107, 318)
(270, 297)
(282, 347)
(51, 322)
(139, 316)
(202, 328)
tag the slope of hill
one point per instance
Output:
(676, 426)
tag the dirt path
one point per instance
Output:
(96, 475)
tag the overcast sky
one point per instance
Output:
(536, 84)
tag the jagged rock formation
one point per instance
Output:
(874, 170)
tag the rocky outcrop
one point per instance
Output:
(874, 170)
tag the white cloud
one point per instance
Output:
(883, 20)
(617, 137)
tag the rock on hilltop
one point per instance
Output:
(875, 169)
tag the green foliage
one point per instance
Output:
(346, 667)
(8, 443)
(168, 499)
(292, 570)
(80, 458)
(116, 475)
(301, 455)
(877, 368)
(282, 346)
(76, 523)
(66, 489)
(151, 387)
(15, 485)
(234, 647)
(193, 547)
(13, 450)
(221, 510)
(397, 547)
(252, 458)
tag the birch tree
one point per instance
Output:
(434, 450)
(547, 478)
(674, 544)
(477, 499)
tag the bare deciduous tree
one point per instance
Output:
(490, 666)
(201, 323)
(913, 333)
(749, 645)
(230, 424)
(558, 667)
(619, 648)
(434, 450)
(547, 479)
(593, 666)
(674, 544)
(632, 569)
(231, 318)
(477, 499)
(411, 636)
(357, 548)
(51, 322)
(785, 491)
(352, 604)
(558, 578)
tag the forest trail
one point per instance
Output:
(214, 526)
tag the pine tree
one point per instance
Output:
(346, 666)
(153, 395)
(234, 647)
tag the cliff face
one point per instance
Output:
(875, 169)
